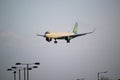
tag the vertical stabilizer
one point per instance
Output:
(75, 29)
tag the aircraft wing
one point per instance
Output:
(82, 34)
(75, 35)
(40, 35)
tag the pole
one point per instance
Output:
(98, 75)
(24, 73)
(27, 71)
(19, 74)
(14, 75)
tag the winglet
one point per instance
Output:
(91, 32)
(75, 29)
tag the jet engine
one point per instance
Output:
(48, 39)
(67, 39)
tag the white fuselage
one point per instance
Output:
(58, 34)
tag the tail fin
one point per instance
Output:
(75, 29)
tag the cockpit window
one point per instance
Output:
(47, 32)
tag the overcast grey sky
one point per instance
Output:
(84, 57)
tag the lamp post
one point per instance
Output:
(27, 64)
(98, 74)
(19, 69)
(23, 68)
(24, 73)
(14, 72)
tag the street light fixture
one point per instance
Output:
(18, 63)
(23, 68)
(35, 66)
(14, 72)
(9, 69)
(101, 73)
(36, 63)
(28, 68)
(19, 69)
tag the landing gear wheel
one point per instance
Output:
(68, 41)
(55, 41)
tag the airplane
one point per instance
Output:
(64, 35)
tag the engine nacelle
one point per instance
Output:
(67, 39)
(48, 39)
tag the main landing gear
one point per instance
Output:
(55, 41)
(67, 40)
